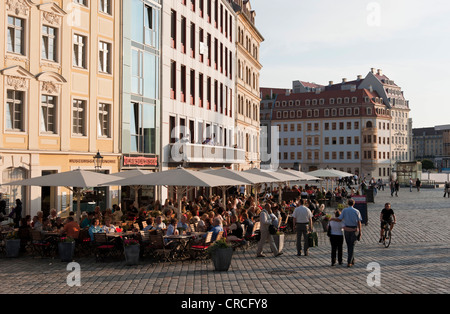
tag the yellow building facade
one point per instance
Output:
(59, 95)
(248, 41)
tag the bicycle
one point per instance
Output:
(387, 235)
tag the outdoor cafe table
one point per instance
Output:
(184, 240)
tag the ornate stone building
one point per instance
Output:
(59, 88)
(248, 41)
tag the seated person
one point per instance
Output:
(58, 223)
(248, 223)
(86, 222)
(108, 227)
(217, 227)
(71, 228)
(159, 224)
(95, 228)
(235, 231)
(150, 226)
(183, 224)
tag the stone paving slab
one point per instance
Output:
(417, 262)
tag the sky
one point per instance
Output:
(327, 40)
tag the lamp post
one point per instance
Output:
(98, 161)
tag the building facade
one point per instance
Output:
(58, 111)
(247, 113)
(140, 96)
(198, 85)
(433, 143)
(355, 126)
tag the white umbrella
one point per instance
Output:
(301, 176)
(74, 180)
(273, 176)
(329, 173)
(245, 178)
(178, 177)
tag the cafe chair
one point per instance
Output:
(103, 248)
(200, 251)
(40, 246)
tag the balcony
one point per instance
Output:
(200, 153)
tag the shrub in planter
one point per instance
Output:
(131, 250)
(221, 253)
(66, 249)
(12, 244)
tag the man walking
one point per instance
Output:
(352, 223)
(302, 219)
(266, 221)
(447, 189)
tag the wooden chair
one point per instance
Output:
(158, 247)
(39, 245)
(103, 248)
(254, 237)
(199, 251)
(83, 243)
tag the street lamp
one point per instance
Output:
(98, 161)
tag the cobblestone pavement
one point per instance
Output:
(416, 262)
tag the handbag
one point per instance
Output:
(329, 231)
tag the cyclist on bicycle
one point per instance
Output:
(387, 216)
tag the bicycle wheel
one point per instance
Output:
(387, 238)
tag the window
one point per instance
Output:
(48, 114)
(173, 29)
(104, 118)
(49, 43)
(136, 72)
(105, 6)
(15, 111)
(16, 38)
(79, 117)
(173, 80)
(142, 128)
(83, 2)
(104, 57)
(79, 51)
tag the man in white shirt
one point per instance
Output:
(302, 219)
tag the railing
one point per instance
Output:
(199, 153)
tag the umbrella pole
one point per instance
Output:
(78, 193)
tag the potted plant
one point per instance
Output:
(66, 249)
(131, 251)
(12, 244)
(278, 238)
(221, 253)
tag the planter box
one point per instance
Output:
(132, 254)
(12, 247)
(66, 251)
(279, 241)
(222, 259)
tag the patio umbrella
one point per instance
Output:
(246, 178)
(180, 178)
(74, 180)
(301, 176)
(329, 173)
(273, 177)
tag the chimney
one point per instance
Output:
(380, 73)
(344, 80)
(359, 77)
(372, 70)
(330, 83)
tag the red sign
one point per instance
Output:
(140, 161)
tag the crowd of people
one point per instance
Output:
(235, 216)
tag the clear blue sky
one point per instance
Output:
(327, 40)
